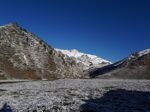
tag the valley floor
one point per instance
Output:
(79, 95)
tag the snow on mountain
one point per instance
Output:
(135, 66)
(133, 56)
(144, 52)
(87, 60)
(139, 54)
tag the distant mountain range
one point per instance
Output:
(23, 55)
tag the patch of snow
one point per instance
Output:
(146, 51)
(139, 54)
(25, 58)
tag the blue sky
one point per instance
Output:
(111, 29)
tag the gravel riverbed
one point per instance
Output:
(75, 95)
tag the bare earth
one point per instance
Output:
(75, 95)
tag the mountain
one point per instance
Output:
(135, 66)
(87, 60)
(23, 55)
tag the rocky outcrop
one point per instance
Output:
(25, 56)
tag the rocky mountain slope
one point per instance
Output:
(87, 60)
(135, 66)
(24, 56)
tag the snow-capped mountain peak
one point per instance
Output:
(146, 51)
(87, 60)
(71, 53)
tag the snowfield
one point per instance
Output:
(75, 95)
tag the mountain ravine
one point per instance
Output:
(24, 56)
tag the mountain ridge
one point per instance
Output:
(26, 56)
(135, 66)
(88, 60)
